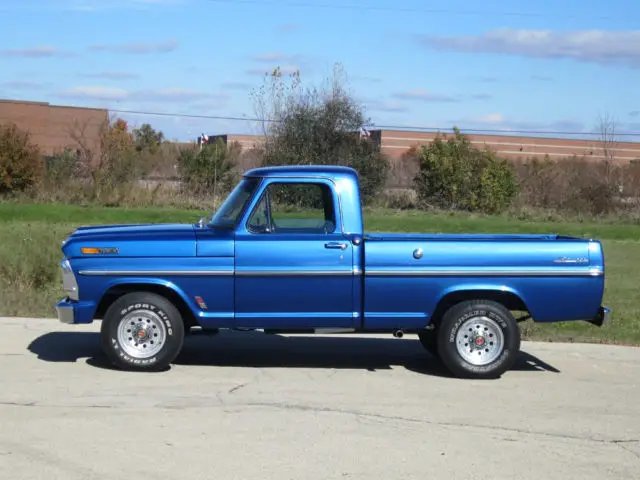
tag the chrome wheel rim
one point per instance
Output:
(142, 334)
(480, 341)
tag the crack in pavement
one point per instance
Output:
(19, 404)
(357, 413)
(238, 387)
(38, 405)
(621, 443)
(69, 465)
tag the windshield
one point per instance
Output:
(229, 212)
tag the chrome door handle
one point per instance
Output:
(339, 245)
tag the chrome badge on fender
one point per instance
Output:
(571, 260)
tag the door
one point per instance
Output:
(294, 266)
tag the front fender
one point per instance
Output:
(123, 285)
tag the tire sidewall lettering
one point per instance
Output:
(151, 308)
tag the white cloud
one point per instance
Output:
(284, 69)
(424, 96)
(110, 75)
(243, 86)
(98, 5)
(90, 6)
(385, 106)
(96, 93)
(33, 52)
(593, 46)
(490, 118)
(178, 95)
(138, 48)
(500, 122)
(288, 62)
(271, 57)
(23, 85)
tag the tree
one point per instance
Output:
(453, 174)
(608, 143)
(21, 164)
(146, 138)
(317, 126)
(208, 170)
(111, 162)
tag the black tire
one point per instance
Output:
(151, 318)
(429, 340)
(492, 332)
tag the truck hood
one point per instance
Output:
(136, 240)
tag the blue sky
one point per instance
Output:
(543, 66)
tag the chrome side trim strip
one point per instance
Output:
(214, 273)
(539, 272)
(481, 272)
(200, 273)
(293, 273)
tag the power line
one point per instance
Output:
(431, 11)
(382, 127)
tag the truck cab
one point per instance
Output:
(287, 253)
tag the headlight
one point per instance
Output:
(69, 283)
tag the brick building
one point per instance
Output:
(396, 142)
(52, 127)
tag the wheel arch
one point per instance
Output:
(507, 297)
(165, 289)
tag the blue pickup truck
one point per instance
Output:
(287, 253)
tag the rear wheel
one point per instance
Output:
(429, 340)
(142, 331)
(478, 339)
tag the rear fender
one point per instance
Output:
(507, 296)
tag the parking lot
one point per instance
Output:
(249, 405)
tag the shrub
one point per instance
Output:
(146, 138)
(21, 164)
(208, 170)
(572, 184)
(455, 175)
(112, 164)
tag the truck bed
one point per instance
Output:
(543, 271)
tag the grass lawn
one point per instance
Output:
(30, 236)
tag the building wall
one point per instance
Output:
(51, 126)
(396, 142)
(247, 142)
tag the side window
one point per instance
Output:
(258, 222)
(294, 208)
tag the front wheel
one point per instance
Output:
(142, 331)
(478, 339)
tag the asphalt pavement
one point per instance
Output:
(253, 406)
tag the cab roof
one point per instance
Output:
(331, 171)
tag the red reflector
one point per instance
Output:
(201, 303)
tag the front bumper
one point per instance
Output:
(72, 312)
(603, 318)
